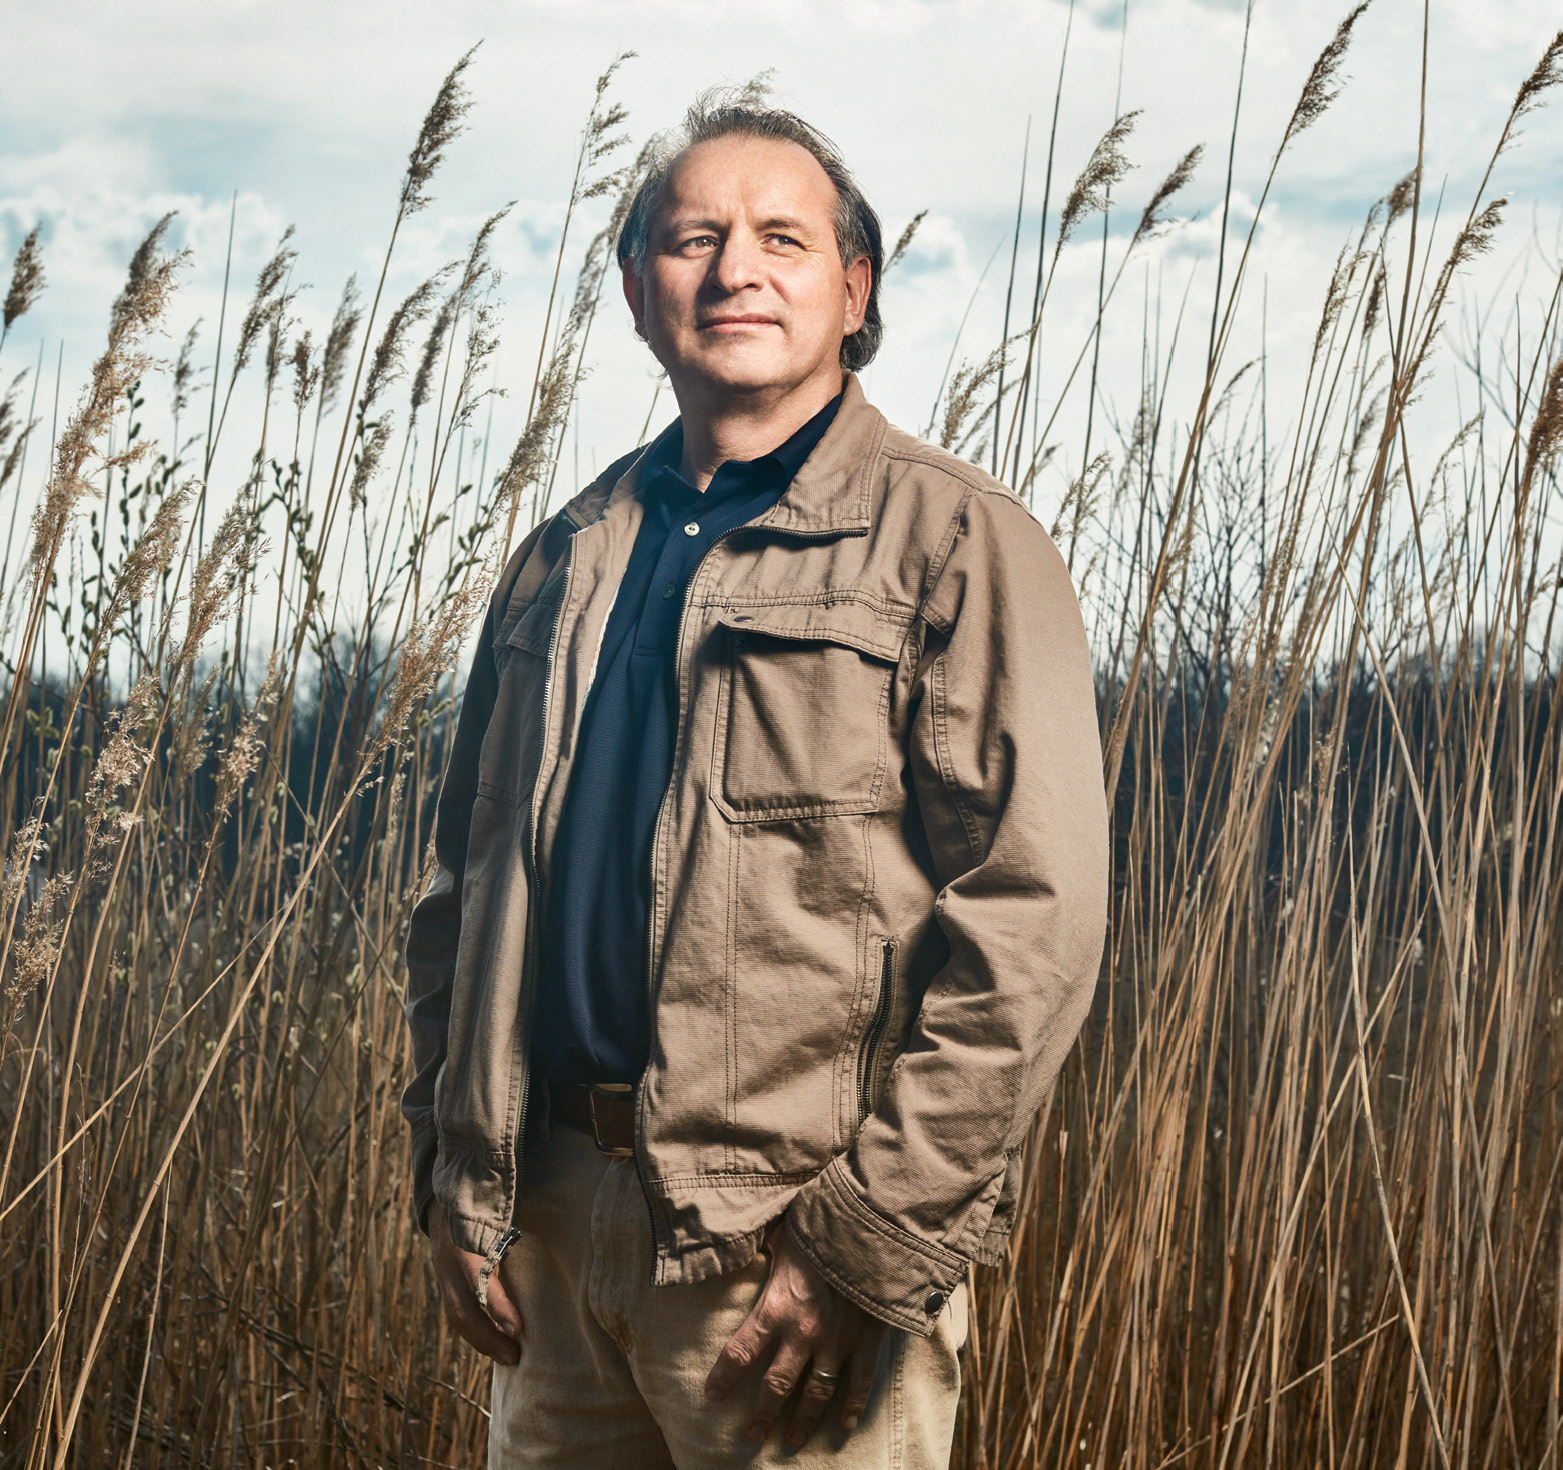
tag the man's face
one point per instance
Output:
(743, 289)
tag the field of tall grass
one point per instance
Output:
(1298, 1196)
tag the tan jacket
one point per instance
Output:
(879, 873)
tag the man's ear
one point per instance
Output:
(860, 277)
(635, 295)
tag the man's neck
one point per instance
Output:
(745, 428)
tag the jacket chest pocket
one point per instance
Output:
(803, 716)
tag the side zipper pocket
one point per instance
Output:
(869, 1050)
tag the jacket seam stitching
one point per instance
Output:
(869, 1217)
(745, 1179)
(864, 904)
(941, 742)
(887, 1311)
(890, 606)
(734, 861)
(938, 561)
(975, 480)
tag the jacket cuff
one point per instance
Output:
(890, 1273)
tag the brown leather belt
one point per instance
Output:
(604, 1111)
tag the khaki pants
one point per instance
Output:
(612, 1369)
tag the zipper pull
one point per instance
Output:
(491, 1264)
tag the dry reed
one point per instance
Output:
(1296, 1199)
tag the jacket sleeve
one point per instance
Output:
(1006, 764)
(434, 931)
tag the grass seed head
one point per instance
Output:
(140, 306)
(905, 239)
(479, 267)
(1532, 93)
(191, 736)
(143, 265)
(228, 560)
(339, 340)
(262, 310)
(27, 278)
(963, 397)
(184, 372)
(8, 414)
(14, 456)
(243, 755)
(386, 364)
(1402, 197)
(1322, 86)
(599, 140)
(438, 332)
(152, 554)
(1477, 237)
(370, 453)
(1092, 190)
(441, 126)
(1153, 221)
(119, 763)
(530, 457)
(1546, 429)
(43, 928)
(306, 372)
(431, 648)
(1080, 500)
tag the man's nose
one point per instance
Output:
(737, 264)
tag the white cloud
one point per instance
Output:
(308, 111)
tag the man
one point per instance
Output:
(772, 878)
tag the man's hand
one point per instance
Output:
(805, 1318)
(496, 1332)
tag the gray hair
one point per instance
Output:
(723, 112)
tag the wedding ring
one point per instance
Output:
(819, 1375)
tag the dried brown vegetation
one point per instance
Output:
(1298, 1197)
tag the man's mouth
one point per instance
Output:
(749, 320)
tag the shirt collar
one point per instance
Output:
(784, 461)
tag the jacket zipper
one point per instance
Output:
(642, 1164)
(511, 1234)
(869, 1051)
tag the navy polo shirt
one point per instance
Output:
(592, 1021)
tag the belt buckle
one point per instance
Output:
(618, 1088)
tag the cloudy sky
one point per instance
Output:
(112, 114)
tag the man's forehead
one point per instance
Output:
(772, 175)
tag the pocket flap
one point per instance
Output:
(875, 631)
(530, 626)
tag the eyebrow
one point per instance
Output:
(699, 222)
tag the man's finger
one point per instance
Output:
(865, 1362)
(503, 1306)
(456, 1272)
(811, 1402)
(468, 1319)
(776, 1383)
(743, 1349)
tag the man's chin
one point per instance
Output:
(742, 375)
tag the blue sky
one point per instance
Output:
(112, 114)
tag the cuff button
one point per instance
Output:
(935, 1303)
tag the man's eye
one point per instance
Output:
(698, 242)
(784, 240)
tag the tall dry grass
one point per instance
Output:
(1296, 1199)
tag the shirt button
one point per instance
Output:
(692, 529)
(668, 591)
(935, 1303)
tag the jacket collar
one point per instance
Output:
(830, 492)
(619, 482)
(832, 489)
